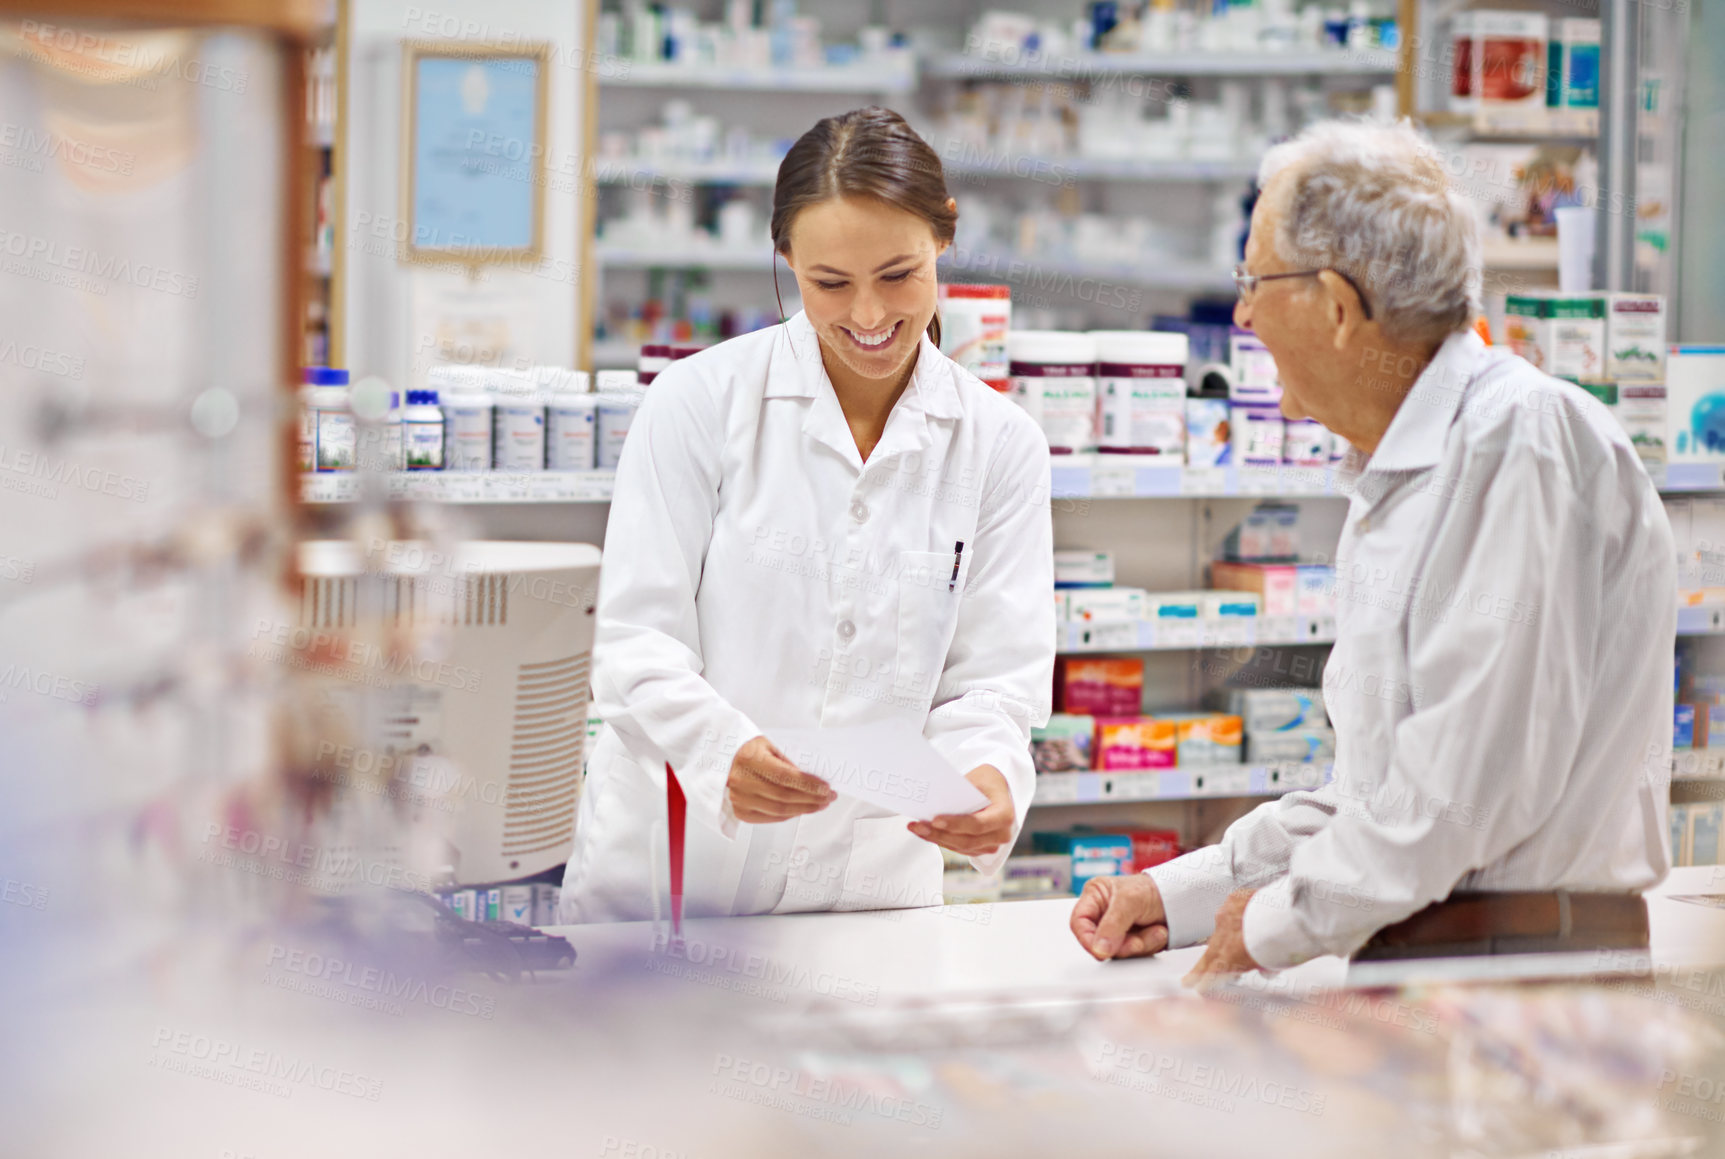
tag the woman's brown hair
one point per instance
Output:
(868, 152)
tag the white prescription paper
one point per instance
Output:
(887, 765)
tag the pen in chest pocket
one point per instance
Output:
(957, 554)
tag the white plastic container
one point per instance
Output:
(1054, 380)
(307, 430)
(422, 432)
(331, 401)
(571, 429)
(518, 424)
(974, 323)
(467, 436)
(613, 416)
(1141, 385)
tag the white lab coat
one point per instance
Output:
(758, 573)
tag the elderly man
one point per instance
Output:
(1501, 682)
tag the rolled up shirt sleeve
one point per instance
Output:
(998, 679)
(1501, 672)
(647, 682)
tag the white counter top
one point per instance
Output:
(1025, 950)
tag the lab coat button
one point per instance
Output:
(846, 630)
(859, 512)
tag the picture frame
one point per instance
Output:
(474, 131)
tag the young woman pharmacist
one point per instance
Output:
(783, 550)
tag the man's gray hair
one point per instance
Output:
(1375, 202)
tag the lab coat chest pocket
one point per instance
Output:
(928, 599)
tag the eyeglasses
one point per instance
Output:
(1247, 284)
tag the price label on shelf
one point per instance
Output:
(463, 487)
(1260, 480)
(1278, 630)
(1102, 637)
(1177, 633)
(1204, 481)
(1112, 480)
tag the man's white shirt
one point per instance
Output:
(1501, 682)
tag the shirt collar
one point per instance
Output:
(933, 388)
(1416, 435)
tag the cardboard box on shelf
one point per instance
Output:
(1091, 854)
(1106, 605)
(1209, 442)
(1153, 847)
(1635, 337)
(1206, 738)
(1083, 568)
(1133, 743)
(1695, 400)
(1037, 875)
(1315, 590)
(1100, 685)
(1264, 710)
(1277, 585)
(1302, 745)
(1066, 744)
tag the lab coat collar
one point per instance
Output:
(931, 394)
(1415, 438)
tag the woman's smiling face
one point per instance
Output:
(867, 275)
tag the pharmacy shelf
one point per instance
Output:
(1058, 274)
(1678, 478)
(1171, 635)
(1147, 477)
(1183, 784)
(1698, 765)
(1000, 163)
(614, 353)
(1701, 620)
(1512, 124)
(706, 257)
(1059, 170)
(628, 170)
(1530, 254)
(466, 487)
(1100, 65)
(879, 76)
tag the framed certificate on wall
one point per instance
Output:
(473, 152)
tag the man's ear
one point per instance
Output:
(1342, 307)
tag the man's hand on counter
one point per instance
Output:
(980, 833)
(1120, 917)
(1226, 954)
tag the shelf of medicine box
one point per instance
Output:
(1683, 477)
(1698, 764)
(319, 262)
(626, 170)
(1701, 620)
(893, 75)
(467, 486)
(1099, 476)
(690, 257)
(1518, 124)
(615, 354)
(1174, 634)
(1097, 65)
(1530, 254)
(1053, 167)
(1150, 274)
(1179, 784)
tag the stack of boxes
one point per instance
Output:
(1282, 724)
(1613, 346)
(525, 904)
(1063, 862)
